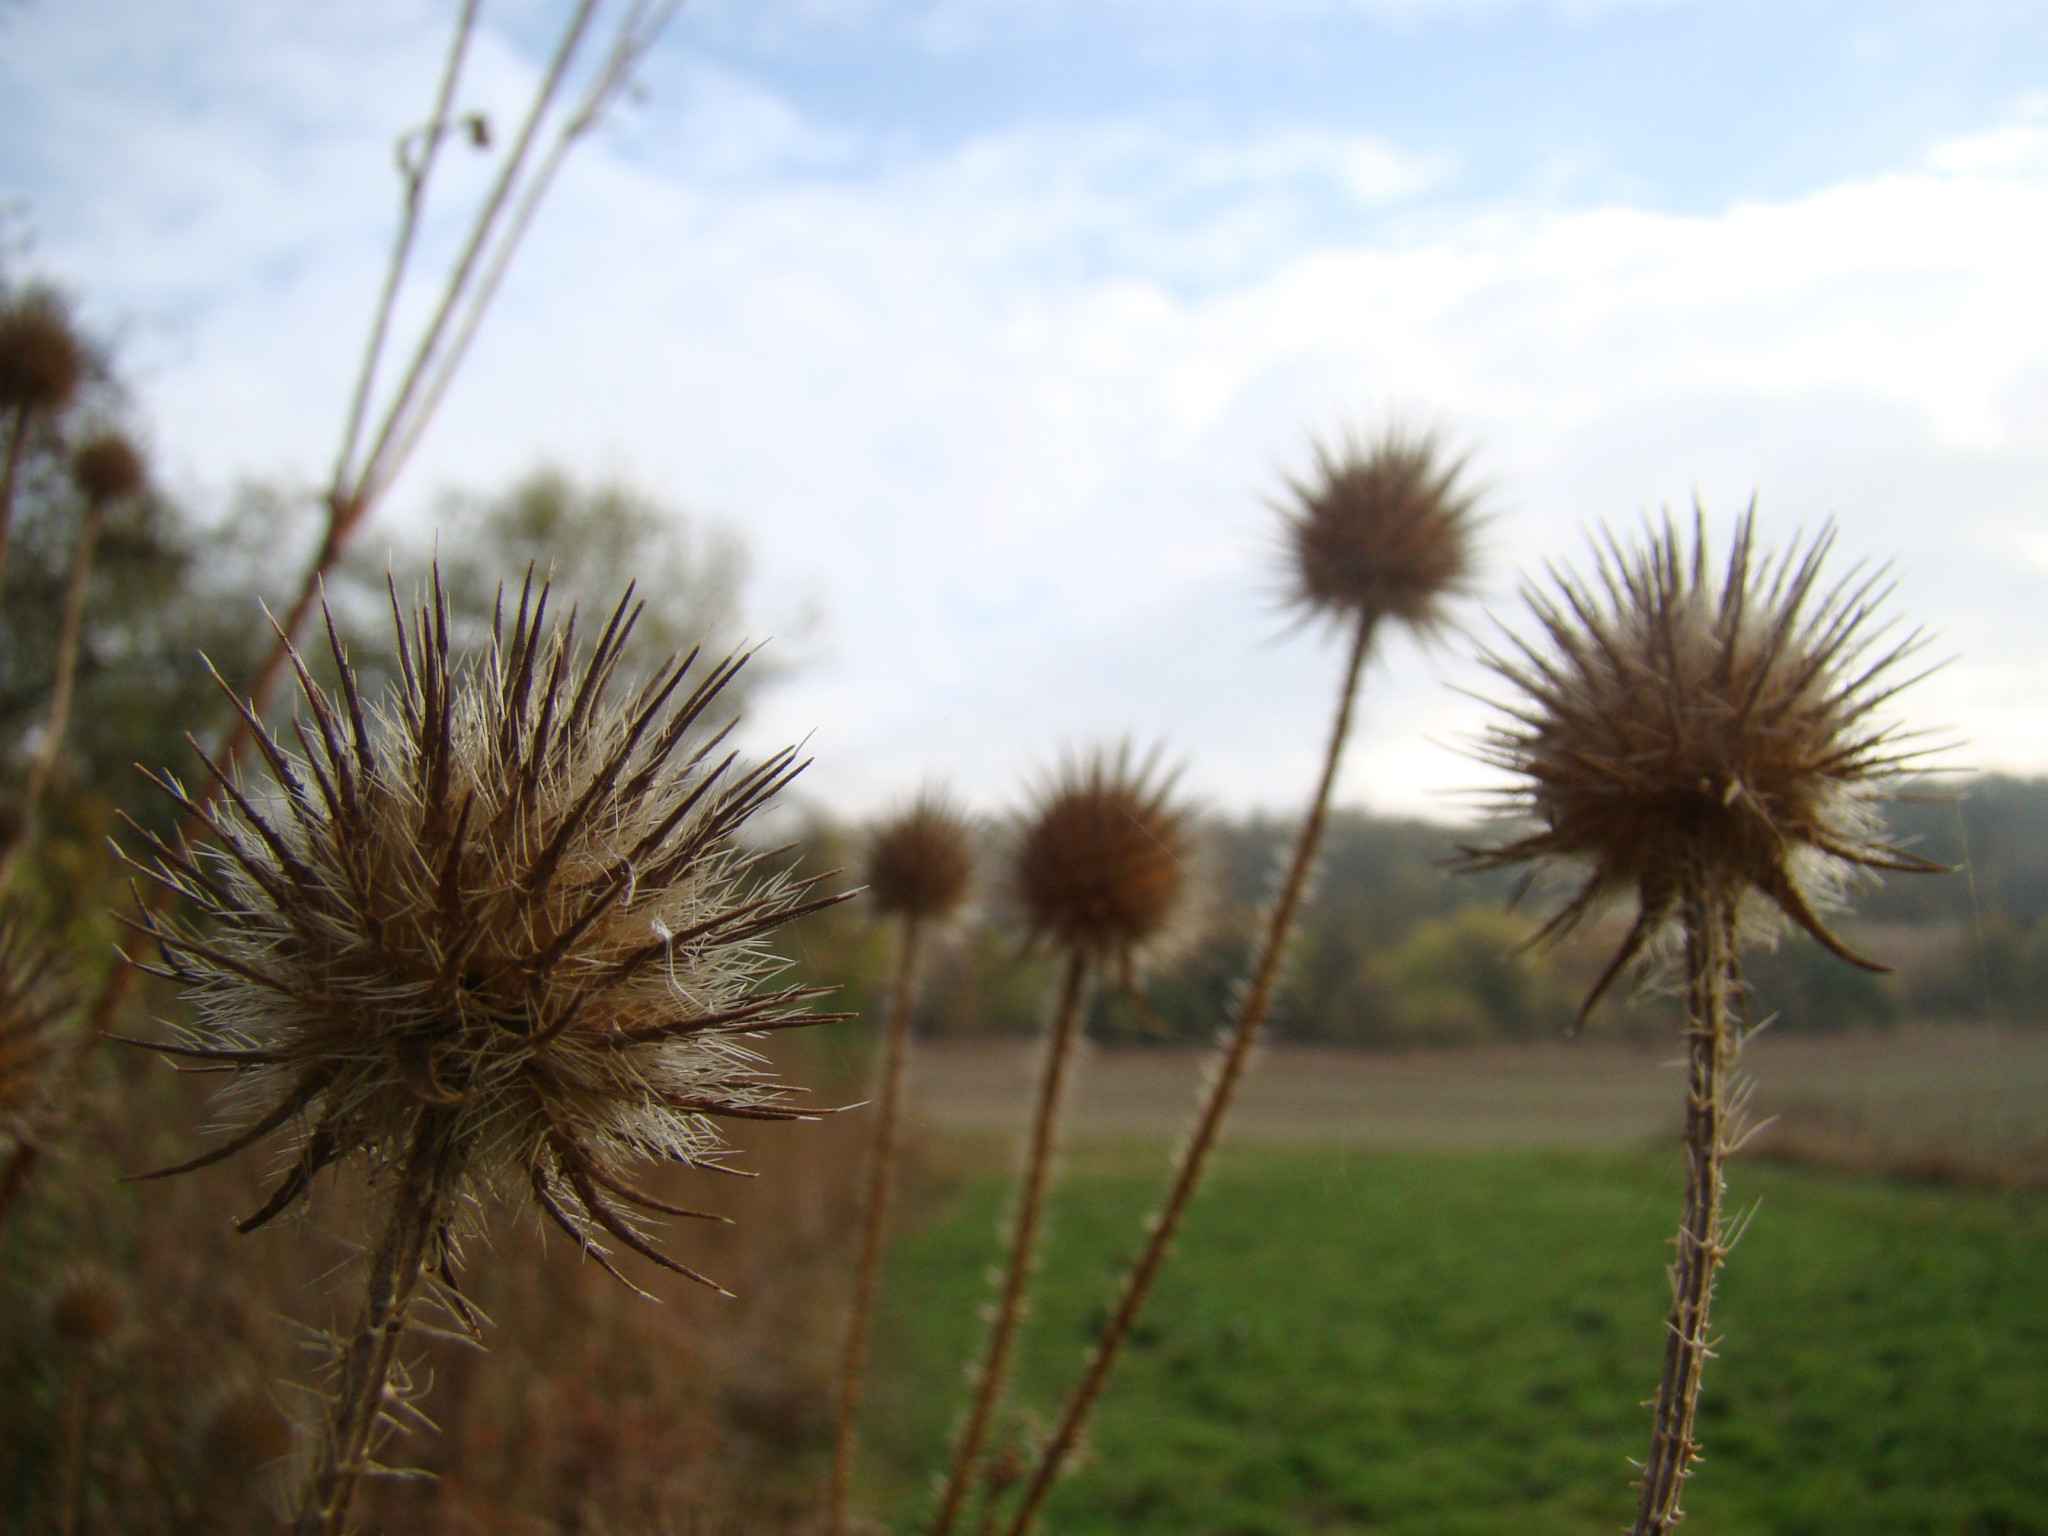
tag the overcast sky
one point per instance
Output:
(993, 324)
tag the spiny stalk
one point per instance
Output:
(1381, 531)
(919, 867)
(1102, 874)
(1707, 745)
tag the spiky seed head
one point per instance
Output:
(36, 1014)
(245, 1433)
(1102, 864)
(106, 468)
(88, 1309)
(42, 362)
(1684, 726)
(499, 897)
(1381, 530)
(921, 861)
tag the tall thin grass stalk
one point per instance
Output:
(10, 475)
(48, 750)
(107, 471)
(881, 1186)
(361, 480)
(1016, 1285)
(85, 1316)
(1382, 531)
(77, 1420)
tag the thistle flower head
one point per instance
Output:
(106, 468)
(1102, 865)
(88, 1308)
(42, 361)
(1381, 529)
(921, 862)
(501, 898)
(36, 1003)
(245, 1433)
(1683, 727)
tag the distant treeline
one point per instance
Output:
(1399, 948)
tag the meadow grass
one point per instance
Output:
(1436, 1343)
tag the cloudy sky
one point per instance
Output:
(993, 324)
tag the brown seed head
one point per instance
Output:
(36, 1003)
(88, 1309)
(1102, 867)
(107, 468)
(1381, 530)
(41, 360)
(246, 1433)
(1684, 728)
(921, 862)
(502, 898)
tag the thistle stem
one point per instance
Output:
(1712, 1043)
(59, 717)
(10, 473)
(1023, 1245)
(1194, 1158)
(419, 1209)
(77, 1419)
(881, 1185)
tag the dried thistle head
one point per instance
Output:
(36, 1014)
(921, 861)
(42, 361)
(245, 1433)
(106, 468)
(1683, 727)
(502, 898)
(1102, 865)
(1381, 530)
(88, 1308)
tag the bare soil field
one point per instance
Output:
(1969, 1085)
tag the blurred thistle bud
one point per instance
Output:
(88, 1308)
(921, 862)
(1102, 866)
(1680, 728)
(1381, 530)
(502, 905)
(42, 362)
(245, 1433)
(107, 468)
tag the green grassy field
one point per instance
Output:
(1449, 1342)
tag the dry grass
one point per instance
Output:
(1969, 1086)
(592, 1410)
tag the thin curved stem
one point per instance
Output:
(353, 496)
(1194, 1158)
(419, 1210)
(1002, 1336)
(59, 717)
(416, 177)
(881, 1185)
(1711, 1131)
(10, 475)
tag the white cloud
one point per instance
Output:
(1010, 407)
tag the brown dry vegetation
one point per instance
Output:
(592, 1409)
